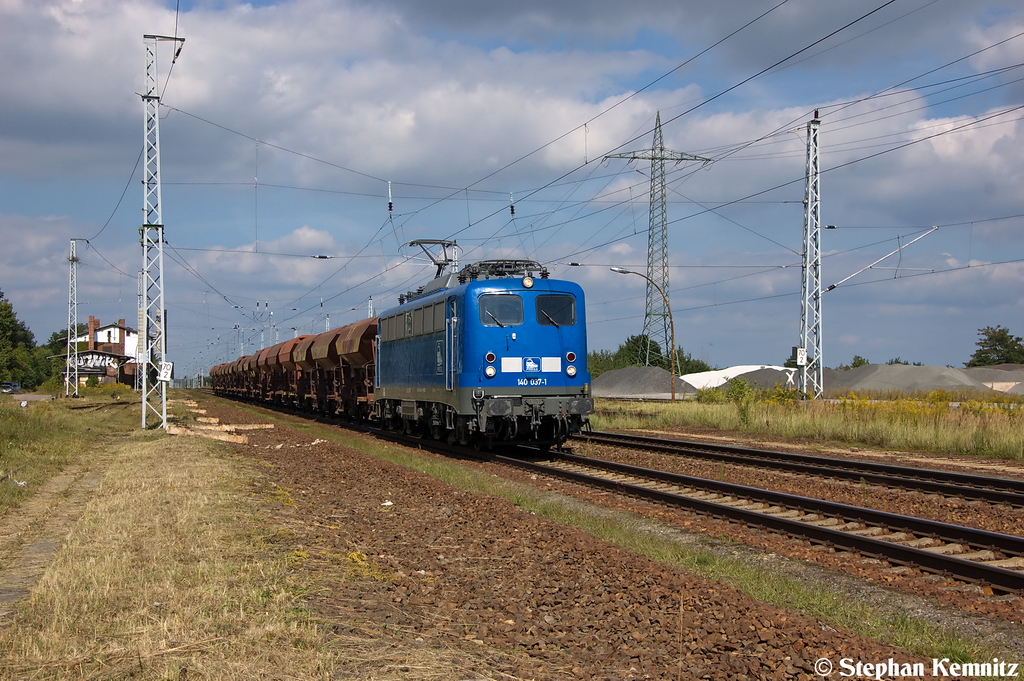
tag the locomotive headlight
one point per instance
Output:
(570, 371)
(491, 371)
(527, 282)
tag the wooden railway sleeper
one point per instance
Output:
(870, 531)
(921, 542)
(984, 555)
(785, 513)
(827, 522)
(1017, 562)
(946, 549)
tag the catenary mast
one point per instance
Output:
(153, 328)
(809, 360)
(71, 360)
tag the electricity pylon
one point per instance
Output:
(657, 310)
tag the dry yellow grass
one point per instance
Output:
(161, 574)
(981, 429)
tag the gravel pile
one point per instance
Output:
(652, 382)
(1007, 378)
(900, 377)
(768, 377)
(634, 382)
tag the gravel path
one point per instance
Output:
(406, 557)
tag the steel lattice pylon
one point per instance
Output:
(71, 360)
(809, 361)
(657, 310)
(140, 345)
(152, 329)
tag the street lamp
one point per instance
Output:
(671, 324)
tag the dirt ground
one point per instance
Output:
(400, 554)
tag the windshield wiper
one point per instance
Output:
(495, 319)
(550, 319)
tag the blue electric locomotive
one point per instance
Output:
(495, 352)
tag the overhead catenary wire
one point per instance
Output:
(590, 120)
(702, 103)
(521, 233)
(651, 84)
(521, 199)
(884, 257)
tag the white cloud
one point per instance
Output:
(346, 96)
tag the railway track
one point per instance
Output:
(967, 554)
(979, 487)
(972, 555)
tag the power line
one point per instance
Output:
(121, 198)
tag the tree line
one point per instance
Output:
(995, 346)
(642, 351)
(21, 360)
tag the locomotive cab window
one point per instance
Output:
(556, 310)
(501, 310)
(439, 316)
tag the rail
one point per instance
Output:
(983, 488)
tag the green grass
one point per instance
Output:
(39, 440)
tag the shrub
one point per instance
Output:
(709, 396)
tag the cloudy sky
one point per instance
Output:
(286, 126)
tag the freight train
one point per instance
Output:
(494, 352)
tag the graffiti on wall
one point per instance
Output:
(96, 361)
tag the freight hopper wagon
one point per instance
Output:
(496, 352)
(331, 373)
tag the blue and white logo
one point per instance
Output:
(531, 364)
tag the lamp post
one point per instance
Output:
(671, 324)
